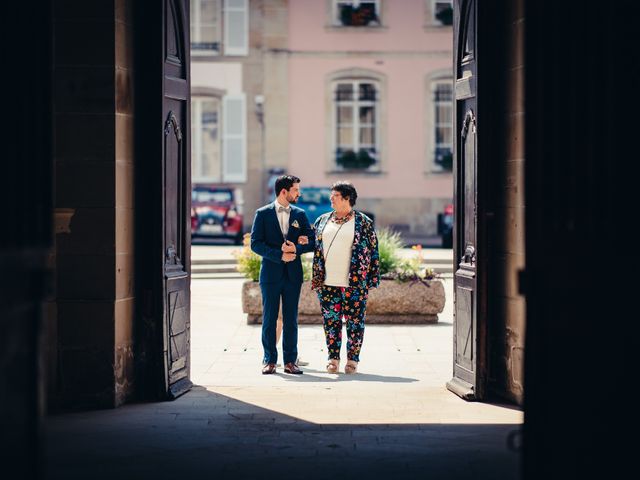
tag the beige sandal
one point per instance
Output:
(351, 367)
(333, 366)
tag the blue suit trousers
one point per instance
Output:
(271, 294)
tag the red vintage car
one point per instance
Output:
(216, 212)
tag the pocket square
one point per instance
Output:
(295, 224)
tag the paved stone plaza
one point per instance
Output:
(394, 419)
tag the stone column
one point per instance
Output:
(93, 202)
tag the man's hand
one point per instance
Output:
(288, 247)
(303, 240)
(288, 257)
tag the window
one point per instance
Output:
(206, 165)
(213, 20)
(356, 124)
(205, 27)
(218, 145)
(356, 13)
(442, 101)
(441, 12)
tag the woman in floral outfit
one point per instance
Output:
(345, 267)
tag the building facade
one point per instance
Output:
(320, 89)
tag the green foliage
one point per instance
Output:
(394, 267)
(307, 266)
(352, 160)
(248, 261)
(445, 16)
(389, 243)
(359, 16)
(447, 161)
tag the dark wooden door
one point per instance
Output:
(176, 199)
(163, 198)
(466, 338)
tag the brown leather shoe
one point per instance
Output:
(269, 368)
(292, 368)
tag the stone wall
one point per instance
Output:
(506, 307)
(94, 167)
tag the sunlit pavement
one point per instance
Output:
(395, 418)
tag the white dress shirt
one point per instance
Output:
(283, 218)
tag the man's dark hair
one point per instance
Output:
(347, 190)
(286, 182)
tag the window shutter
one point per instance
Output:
(236, 27)
(234, 143)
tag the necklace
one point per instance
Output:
(341, 220)
(338, 221)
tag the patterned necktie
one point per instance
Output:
(284, 209)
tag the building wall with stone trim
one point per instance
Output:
(403, 52)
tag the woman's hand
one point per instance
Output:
(303, 240)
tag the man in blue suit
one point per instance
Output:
(280, 234)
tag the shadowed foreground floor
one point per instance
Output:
(395, 419)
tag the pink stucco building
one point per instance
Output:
(327, 90)
(384, 88)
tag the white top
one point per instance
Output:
(338, 257)
(283, 218)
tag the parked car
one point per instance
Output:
(445, 226)
(216, 212)
(316, 200)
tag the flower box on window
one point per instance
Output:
(359, 16)
(444, 14)
(351, 160)
(444, 158)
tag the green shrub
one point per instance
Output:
(388, 244)
(307, 266)
(248, 261)
(352, 160)
(394, 267)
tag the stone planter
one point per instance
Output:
(391, 303)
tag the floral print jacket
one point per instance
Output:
(364, 272)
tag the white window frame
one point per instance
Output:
(196, 24)
(355, 104)
(228, 8)
(335, 11)
(196, 144)
(432, 125)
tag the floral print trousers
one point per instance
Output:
(347, 302)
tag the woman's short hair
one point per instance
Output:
(347, 190)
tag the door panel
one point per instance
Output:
(176, 183)
(464, 328)
(466, 379)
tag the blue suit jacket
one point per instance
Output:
(267, 239)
